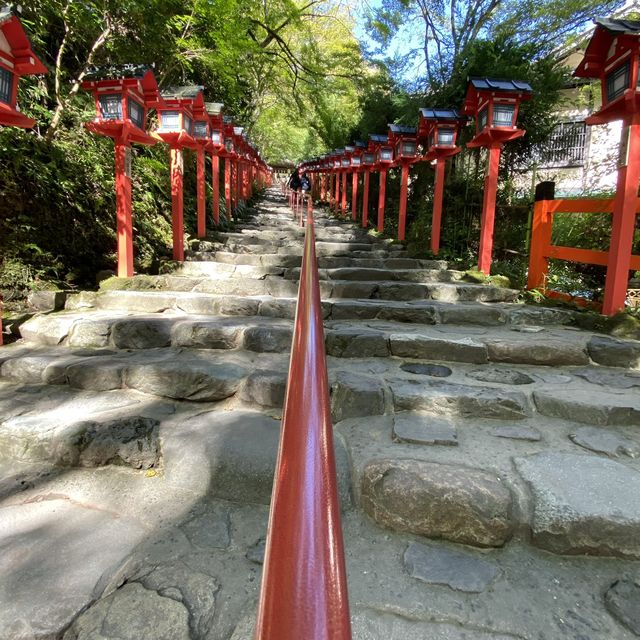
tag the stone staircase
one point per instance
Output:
(487, 450)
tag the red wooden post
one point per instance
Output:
(337, 198)
(344, 194)
(365, 199)
(227, 186)
(404, 190)
(540, 240)
(381, 199)
(215, 181)
(489, 209)
(177, 203)
(201, 223)
(124, 224)
(624, 220)
(354, 195)
(304, 587)
(438, 194)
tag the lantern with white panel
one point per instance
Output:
(123, 95)
(612, 56)
(17, 59)
(176, 127)
(384, 160)
(406, 145)
(494, 104)
(438, 129)
(216, 125)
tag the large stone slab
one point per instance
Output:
(622, 600)
(356, 343)
(85, 430)
(461, 400)
(188, 378)
(594, 406)
(48, 329)
(614, 353)
(240, 449)
(459, 571)
(544, 352)
(411, 345)
(142, 333)
(605, 441)
(206, 334)
(354, 395)
(419, 428)
(55, 553)
(583, 504)
(437, 501)
(127, 613)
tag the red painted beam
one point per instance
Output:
(304, 586)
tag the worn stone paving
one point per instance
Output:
(487, 451)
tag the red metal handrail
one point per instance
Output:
(304, 587)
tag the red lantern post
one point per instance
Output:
(438, 130)
(356, 164)
(175, 114)
(202, 135)
(494, 104)
(368, 164)
(214, 109)
(345, 165)
(384, 160)
(228, 154)
(17, 59)
(122, 105)
(337, 166)
(612, 56)
(404, 140)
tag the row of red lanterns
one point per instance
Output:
(493, 103)
(124, 96)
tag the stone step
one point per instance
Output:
(360, 387)
(381, 274)
(416, 311)
(294, 247)
(324, 262)
(552, 346)
(273, 285)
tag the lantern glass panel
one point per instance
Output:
(228, 145)
(6, 85)
(136, 113)
(445, 136)
(503, 115)
(432, 140)
(355, 161)
(170, 120)
(111, 106)
(618, 81)
(216, 137)
(408, 148)
(336, 164)
(188, 124)
(346, 162)
(369, 158)
(482, 118)
(386, 154)
(200, 129)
